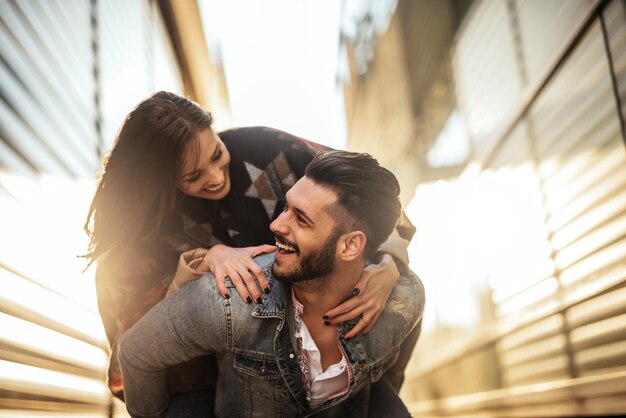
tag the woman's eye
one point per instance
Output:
(285, 207)
(194, 178)
(218, 155)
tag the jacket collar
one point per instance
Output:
(275, 303)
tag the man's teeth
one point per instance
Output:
(284, 247)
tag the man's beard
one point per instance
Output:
(314, 265)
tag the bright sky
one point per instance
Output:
(280, 59)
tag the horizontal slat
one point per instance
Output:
(488, 93)
(604, 306)
(32, 380)
(584, 388)
(23, 140)
(33, 69)
(61, 61)
(546, 347)
(26, 336)
(607, 187)
(545, 29)
(12, 161)
(595, 263)
(573, 89)
(608, 356)
(530, 297)
(80, 161)
(531, 333)
(553, 368)
(615, 15)
(594, 241)
(28, 301)
(599, 167)
(606, 331)
(609, 209)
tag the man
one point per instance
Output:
(282, 358)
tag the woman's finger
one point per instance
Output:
(261, 249)
(254, 269)
(372, 322)
(250, 283)
(351, 314)
(346, 306)
(239, 285)
(356, 329)
(220, 282)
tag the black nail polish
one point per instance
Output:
(259, 300)
(226, 296)
(325, 317)
(326, 323)
(356, 292)
(267, 290)
(248, 299)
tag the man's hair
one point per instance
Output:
(367, 194)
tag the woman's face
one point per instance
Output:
(208, 178)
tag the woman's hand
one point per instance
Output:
(237, 263)
(370, 295)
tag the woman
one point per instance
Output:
(170, 185)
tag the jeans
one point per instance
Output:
(192, 404)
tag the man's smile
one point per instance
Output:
(286, 247)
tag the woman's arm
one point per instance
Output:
(127, 288)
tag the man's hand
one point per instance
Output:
(237, 263)
(370, 295)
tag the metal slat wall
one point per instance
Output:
(46, 117)
(70, 71)
(614, 17)
(559, 170)
(581, 162)
(488, 86)
(544, 27)
(133, 63)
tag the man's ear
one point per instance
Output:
(352, 245)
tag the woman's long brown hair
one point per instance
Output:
(137, 188)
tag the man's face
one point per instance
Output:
(305, 233)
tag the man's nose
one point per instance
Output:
(279, 226)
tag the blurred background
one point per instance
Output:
(503, 119)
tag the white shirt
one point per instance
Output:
(323, 384)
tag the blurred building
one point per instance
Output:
(70, 71)
(504, 120)
(508, 116)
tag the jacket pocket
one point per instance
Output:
(257, 365)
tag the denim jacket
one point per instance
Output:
(259, 375)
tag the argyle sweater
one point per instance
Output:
(264, 164)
